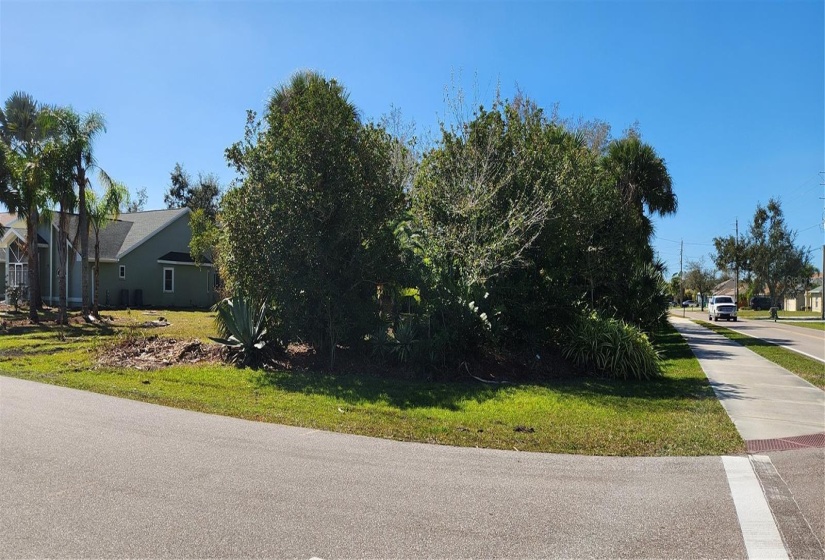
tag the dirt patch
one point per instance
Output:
(156, 352)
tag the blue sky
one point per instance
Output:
(731, 94)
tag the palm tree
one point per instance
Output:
(101, 211)
(82, 130)
(641, 176)
(7, 192)
(60, 188)
(23, 132)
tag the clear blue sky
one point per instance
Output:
(731, 94)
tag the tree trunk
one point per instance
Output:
(62, 250)
(83, 225)
(96, 269)
(331, 340)
(34, 260)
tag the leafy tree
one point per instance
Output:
(481, 201)
(202, 194)
(103, 210)
(309, 229)
(23, 132)
(138, 202)
(768, 252)
(700, 279)
(206, 236)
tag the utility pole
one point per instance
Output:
(682, 278)
(736, 264)
(822, 286)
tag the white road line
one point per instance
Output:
(804, 354)
(782, 346)
(762, 538)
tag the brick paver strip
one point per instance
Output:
(784, 444)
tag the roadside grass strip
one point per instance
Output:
(816, 325)
(677, 415)
(809, 369)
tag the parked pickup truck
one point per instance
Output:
(722, 307)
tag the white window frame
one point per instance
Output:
(17, 265)
(172, 270)
(121, 272)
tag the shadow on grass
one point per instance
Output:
(410, 394)
(72, 330)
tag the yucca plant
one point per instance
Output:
(241, 324)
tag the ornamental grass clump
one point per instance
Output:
(612, 347)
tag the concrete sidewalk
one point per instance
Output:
(766, 402)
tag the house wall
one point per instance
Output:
(796, 303)
(49, 265)
(192, 285)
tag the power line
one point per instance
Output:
(683, 242)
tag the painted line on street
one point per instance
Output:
(800, 538)
(759, 530)
(782, 346)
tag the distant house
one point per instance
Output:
(728, 288)
(810, 299)
(144, 261)
(816, 299)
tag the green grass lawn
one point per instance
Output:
(676, 415)
(765, 314)
(810, 370)
(820, 326)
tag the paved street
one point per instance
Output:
(86, 475)
(800, 339)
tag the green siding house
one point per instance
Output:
(144, 261)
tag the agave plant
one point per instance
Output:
(242, 327)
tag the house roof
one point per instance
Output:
(183, 258)
(728, 288)
(145, 225)
(120, 236)
(6, 218)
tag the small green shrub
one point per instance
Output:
(406, 340)
(401, 341)
(241, 322)
(14, 293)
(612, 347)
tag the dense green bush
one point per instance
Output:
(612, 347)
(487, 243)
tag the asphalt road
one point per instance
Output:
(800, 339)
(86, 475)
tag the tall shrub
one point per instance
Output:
(309, 228)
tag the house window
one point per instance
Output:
(168, 280)
(121, 272)
(17, 263)
(18, 275)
